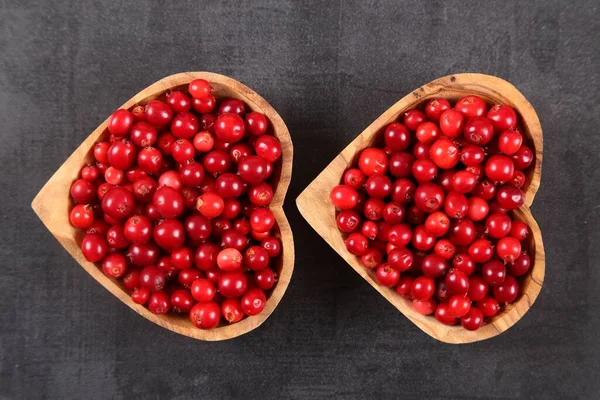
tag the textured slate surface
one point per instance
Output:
(329, 68)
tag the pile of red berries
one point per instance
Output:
(429, 211)
(176, 205)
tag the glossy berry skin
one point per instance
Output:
(158, 113)
(424, 170)
(498, 225)
(120, 122)
(232, 311)
(168, 202)
(493, 272)
(205, 315)
(169, 234)
(479, 131)
(344, 197)
(503, 117)
(509, 142)
(357, 243)
(436, 107)
(433, 266)
(203, 290)
(348, 221)
(229, 259)
(456, 205)
(399, 235)
(199, 88)
(401, 164)
(488, 306)
(429, 197)
(262, 220)
(253, 169)
(508, 249)
(424, 307)
(138, 229)
(378, 186)
(118, 202)
(442, 314)
(373, 161)
(387, 276)
(253, 301)
(265, 279)
(414, 118)
(452, 123)
(83, 191)
(159, 303)
(427, 132)
(397, 136)
(82, 216)
(481, 251)
(422, 288)
(152, 278)
(444, 153)
(229, 127)
(355, 178)
(477, 209)
(459, 305)
(463, 182)
(400, 259)
(181, 301)
(210, 205)
(268, 147)
(178, 101)
(520, 266)
(477, 289)
(522, 158)
(499, 168)
(507, 291)
(185, 125)
(472, 320)
(471, 106)
(462, 232)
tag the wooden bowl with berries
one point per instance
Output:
(174, 204)
(430, 205)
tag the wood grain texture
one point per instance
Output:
(315, 206)
(52, 205)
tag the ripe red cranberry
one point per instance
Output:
(400, 259)
(83, 191)
(462, 232)
(481, 250)
(203, 290)
(510, 141)
(168, 202)
(206, 256)
(262, 220)
(478, 289)
(397, 137)
(433, 266)
(152, 278)
(456, 282)
(427, 132)
(344, 197)
(464, 263)
(414, 118)
(508, 249)
(424, 170)
(471, 106)
(498, 225)
(232, 310)
(422, 288)
(199, 88)
(472, 320)
(182, 301)
(499, 168)
(179, 101)
(507, 291)
(452, 123)
(522, 158)
(357, 243)
(403, 191)
(205, 315)
(187, 277)
(479, 130)
(420, 151)
(444, 153)
(185, 125)
(216, 162)
(373, 161)
(229, 127)
(159, 303)
(203, 142)
(425, 307)
(459, 305)
(268, 147)
(210, 205)
(378, 186)
(436, 107)
(493, 272)
(348, 221)
(169, 234)
(456, 205)
(253, 169)
(445, 249)
(488, 306)
(478, 208)
(404, 286)
(118, 202)
(471, 155)
(429, 197)
(354, 177)
(158, 113)
(509, 197)
(442, 314)
(400, 235)
(401, 164)
(503, 117)
(520, 266)
(387, 276)
(256, 258)
(256, 123)
(120, 122)
(265, 279)
(253, 301)
(370, 229)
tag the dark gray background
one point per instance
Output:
(329, 68)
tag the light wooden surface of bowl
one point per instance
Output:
(52, 205)
(315, 205)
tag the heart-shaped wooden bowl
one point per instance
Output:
(52, 204)
(315, 206)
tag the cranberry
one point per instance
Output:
(429, 197)
(203, 290)
(503, 117)
(268, 147)
(120, 122)
(357, 243)
(471, 106)
(523, 158)
(216, 162)
(401, 164)
(427, 132)
(414, 118)
(253, 301)
(82, 216)
(421, 151)
(253, 169)
(464, 263)
(397, 136)
(424, 307)
(493, 272)
(206, 256)
(210, 205)
(159, 303)
(169, 234)
(403, 191)
(203, 142)
(152, 278)
(229, 127)
(424, 170)
(479, 130)
(508, 249)
(404, 286)
(370, 229)
(354, 177)
(456, 205)
(442, 314)
(444, 153)
(462, 232)
(387, 276)
(488, 306)
(459, 305)
(472, 155)
(507, 291)
(158, 113)
(481, 250)
(423, 288)
(436, 107)
(256, 258)
(399, 235)
(510, 141)
(498, 225)
(478, 289)
(478, 208)
(445, 249)
(256, 123)
(433, 266)
(205, 315)
(199, 88)
(378, 186)
(188, 276)
(262, 220)
(373, 161)
(272, 245)
(118, 202)
(83, 191)
(265, 279)
(400, 259)
(472, 320)
(520, 266)
(452, 123)
(509, 197)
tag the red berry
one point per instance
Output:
(120, 122)
(459, 305)
(205, 315)
(387, 276)
(253, 301)
(373, 161)
(199, 88)
(472, 320)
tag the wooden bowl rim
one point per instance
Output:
(321, 214)
(57, 184)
